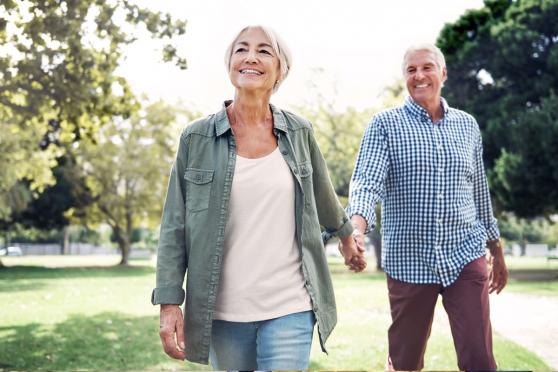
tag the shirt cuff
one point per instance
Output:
(167, 295)
(365, 212)
(492, 232)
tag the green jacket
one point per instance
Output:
(195, 214)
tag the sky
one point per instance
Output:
(348, 51)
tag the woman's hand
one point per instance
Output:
(352, 249)
(171, 331)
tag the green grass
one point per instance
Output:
(80, 313)
(530, 263)
(533, 275)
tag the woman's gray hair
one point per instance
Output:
(438, 55)
(279, 47)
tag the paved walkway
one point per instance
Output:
(528, 320)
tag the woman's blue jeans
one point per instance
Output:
(276, 344)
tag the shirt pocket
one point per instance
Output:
(305, 172)
(461, 159)
(198, 188)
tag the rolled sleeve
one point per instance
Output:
(168, 295)
(361, 206)
(345, 230)
(492, 231)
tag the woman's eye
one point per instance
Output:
(240, 50)
(265, 52)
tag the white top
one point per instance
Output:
(261, 276)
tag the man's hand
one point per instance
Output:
(171, 331)
(353, 251)
(498, 276)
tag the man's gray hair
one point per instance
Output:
(279, 47)
(438, 55)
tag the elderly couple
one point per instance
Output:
(249, 194)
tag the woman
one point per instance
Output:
(247, 195)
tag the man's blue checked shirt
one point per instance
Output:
(436, 209)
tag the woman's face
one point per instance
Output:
(254, 65)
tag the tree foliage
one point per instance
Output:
(126, 167)
(339, 133)
(58, 81)
(502, 61)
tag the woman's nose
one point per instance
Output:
(251, 56)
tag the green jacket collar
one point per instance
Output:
(222, 124)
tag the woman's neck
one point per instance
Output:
(250, 110)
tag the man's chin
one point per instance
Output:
(423, 98)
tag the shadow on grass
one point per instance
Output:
(534, 274)
(16, 286)
(40, 272)
(315, 366)
(108, 341)
(339, 270)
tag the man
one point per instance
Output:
(424, 161)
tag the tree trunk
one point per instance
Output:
(124, 251)
(66, 241)
(124, 243)
(6, 244)
(376, 239)
(523, 246)
(128, 237)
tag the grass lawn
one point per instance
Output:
(80, 313)
(533, 275)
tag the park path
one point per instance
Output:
(528, 320)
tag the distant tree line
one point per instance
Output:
(77, 146)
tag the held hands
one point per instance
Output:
(171, 331)
(352, 249)
(498, 275)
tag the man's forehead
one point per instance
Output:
(420, 57)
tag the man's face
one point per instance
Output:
(424, 77)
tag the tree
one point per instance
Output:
(551, 236)
(126, 167)
(502, 62)
(57, 67)
(339, 135)
(523, 231)
(525, 176)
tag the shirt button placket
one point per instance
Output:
(438, 192)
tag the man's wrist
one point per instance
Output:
(359, 223)
(495, 247)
